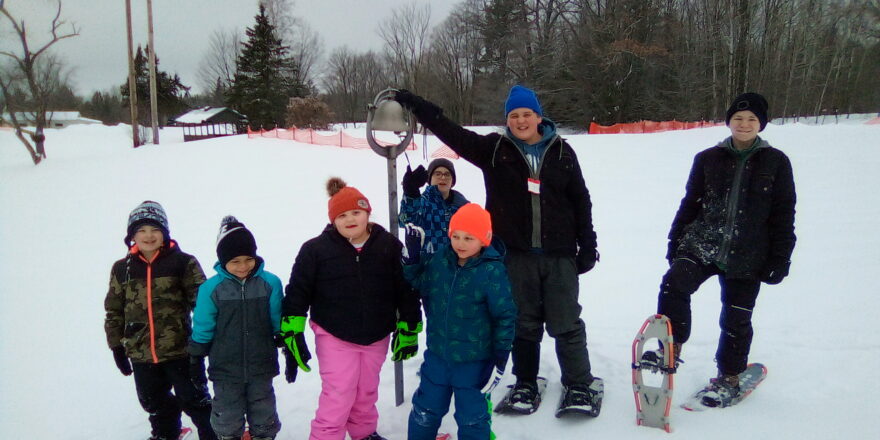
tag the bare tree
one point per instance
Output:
(27, 67)
(304, 43)
(406, 35)
(455, 55)
(217, 68)
(351, 81)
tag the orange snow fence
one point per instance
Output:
(874, 121)
(339, 139)
(648, 127)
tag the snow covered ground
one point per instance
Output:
(62, 225)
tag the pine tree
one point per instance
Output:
(170, 91)
(265, 78)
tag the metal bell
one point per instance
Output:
(388, 116)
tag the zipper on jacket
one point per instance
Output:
(449, 298)
(244, 339)
(732, 204)
(150, 306)
(357, 261)
(537, 240)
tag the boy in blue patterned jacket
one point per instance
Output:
(235, 323)
(432, 209)
(470, 318)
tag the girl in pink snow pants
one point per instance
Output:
(349, 281)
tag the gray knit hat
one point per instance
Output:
(441, 162)
(147, 213)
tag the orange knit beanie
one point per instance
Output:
(344, 198)
(474, 220)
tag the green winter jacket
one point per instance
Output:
(469, 309)
(148, 304)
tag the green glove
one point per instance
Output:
(405, 342)
(292, 328)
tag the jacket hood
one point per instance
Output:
(547, 128)
(494, 252)
(258, 269)
(727, 144)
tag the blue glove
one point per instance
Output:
(414, 239)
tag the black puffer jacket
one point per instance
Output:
(738, 210)
(355, 296)
(559, 220)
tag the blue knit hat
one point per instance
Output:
(522, 97)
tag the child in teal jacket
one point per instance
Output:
(470, 318)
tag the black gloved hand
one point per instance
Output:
(290, 366)
(671, 250)
(413, 181)
(424, 110)
(775, 270)
(586, 259)
(496, 367)
(197, 373)
(413, 239)
(122, 361)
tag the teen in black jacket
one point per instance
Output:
(735, 221)
(541, 209)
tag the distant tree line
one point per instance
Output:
(606, 61)
(623, 60)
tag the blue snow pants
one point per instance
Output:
(440, 381)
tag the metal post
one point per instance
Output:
(154, 114)
(393, 229)
(132, 83)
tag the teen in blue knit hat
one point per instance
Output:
(541, 210)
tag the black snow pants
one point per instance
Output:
(545, 290)
(738, 298)
(154, 383)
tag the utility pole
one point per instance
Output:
(132, 84)
(154, 114)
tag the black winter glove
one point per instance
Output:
(122, 361)
(290, 366)
(424, 110)
(413, 181)
(496, 371)
(775, 270)
(671, 250)
(586, 259)
(413, 239)
(197, 373)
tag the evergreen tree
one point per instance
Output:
(170, 91)
(265, 78)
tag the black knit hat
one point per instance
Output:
(441, 162)
(234, 240)
(752, 102)
(147, 213)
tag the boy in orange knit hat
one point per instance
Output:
(351, 281)
(470, 318)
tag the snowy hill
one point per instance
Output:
(63, 222)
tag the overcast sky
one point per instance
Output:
(182, 30)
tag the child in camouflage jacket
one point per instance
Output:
(152, 293)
